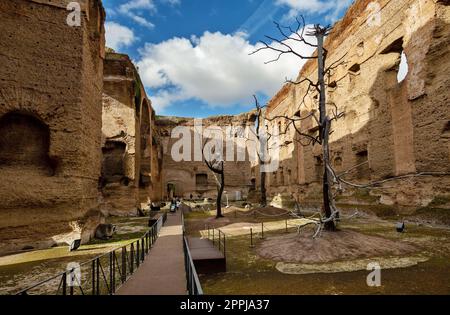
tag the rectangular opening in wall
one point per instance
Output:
(362, 160)
(355, 68)
(201, 179)
(395, 47)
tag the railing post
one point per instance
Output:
(132, 258)
(224, 248)
(142, 250)
(219, 239)
(64, 284)
(93, 277)
(137, 253)
(262, 230)
(72, 282)
(114, 271)
(98, 276)
(251, 237)
(213, 234)
(124, 264)
(111, 270)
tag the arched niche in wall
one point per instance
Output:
(145, 146)
(25, 143)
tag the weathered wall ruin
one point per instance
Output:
(183, 178)
(127, 142)
(398, 127)
(50, 122)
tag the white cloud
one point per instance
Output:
(172, 2)
(129, 9)
(403, 68)
(312, 6)
(331, 8)
(118, 36)
(138, 5)
(214, 68)
(141, 21)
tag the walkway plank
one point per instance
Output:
(163, 272)
(208, 259)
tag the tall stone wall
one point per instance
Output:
(399, 128)
(50, 119)
(186, 178)
(127, 145)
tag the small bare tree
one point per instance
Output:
(215, 163)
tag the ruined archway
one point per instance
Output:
(25, 143)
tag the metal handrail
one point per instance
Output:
(192, 281)
(221, 242)
(130, 261)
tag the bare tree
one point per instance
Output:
(216, 163)
(324, 121)
(332, 182)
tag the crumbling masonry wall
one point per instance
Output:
(187, 178)
(127, 141)
(398, 127)
(50, 119)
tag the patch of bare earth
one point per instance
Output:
(331, 246)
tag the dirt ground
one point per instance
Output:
(284, 262)
(331, 246)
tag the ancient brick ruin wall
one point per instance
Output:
(400, 128)
(194, 177)
(50, 118)
(156, 163)
(127, 145)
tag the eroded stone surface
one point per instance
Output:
(349, 266)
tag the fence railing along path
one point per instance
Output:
(104, 274)
(164, 273)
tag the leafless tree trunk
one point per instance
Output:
(216, 165)
(324, 122)
(260, 121)
(324, 130)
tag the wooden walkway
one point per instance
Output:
(163, 272)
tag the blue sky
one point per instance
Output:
(193, 55)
